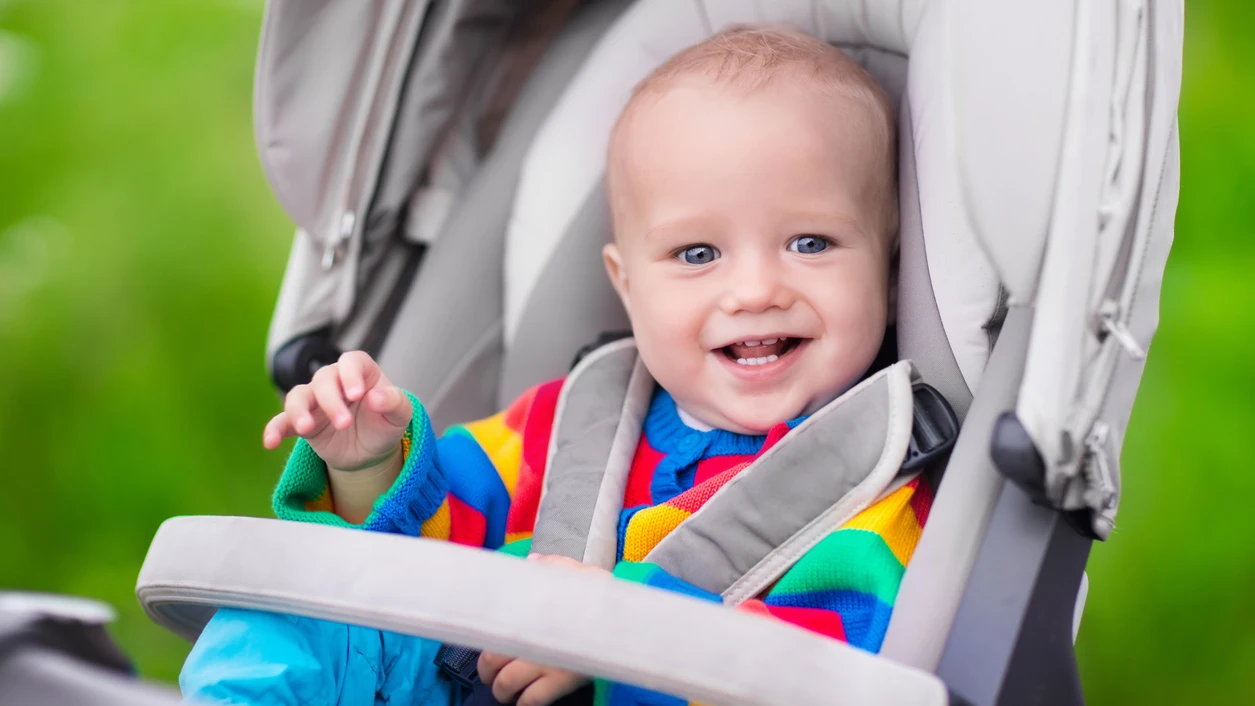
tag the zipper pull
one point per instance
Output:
(1109, 321)
(1101, 494)
(332, 250)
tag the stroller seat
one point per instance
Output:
(1038, 181)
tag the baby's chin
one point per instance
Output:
(755, 416)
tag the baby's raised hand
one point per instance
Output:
(350, 414)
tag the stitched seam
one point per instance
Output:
(858, 391)
(787, 554)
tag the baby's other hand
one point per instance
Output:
(532, 684)
(350, 414)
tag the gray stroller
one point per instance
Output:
(1039, 180)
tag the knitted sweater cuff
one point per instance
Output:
(303, 494)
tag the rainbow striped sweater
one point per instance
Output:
(479, 484)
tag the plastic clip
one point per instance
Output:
(934, 429)
(461, 664)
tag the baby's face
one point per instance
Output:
(747, 251)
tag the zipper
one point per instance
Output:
(401, 24)
(1110, 322)
(331, 251)
(1100, 491)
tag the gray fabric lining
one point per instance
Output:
(587, 422)
(570, 304)
(457, 296)
(432, 340)
(824, 463)
(921, 337)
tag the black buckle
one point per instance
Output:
(934, 429)
(461, 664)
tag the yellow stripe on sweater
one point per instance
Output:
(893, 519)
(648, 527)
(439, 524)
(503, 445)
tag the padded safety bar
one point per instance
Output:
(588, 623)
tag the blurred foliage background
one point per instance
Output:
(141, 252)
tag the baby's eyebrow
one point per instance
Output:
(692, 226)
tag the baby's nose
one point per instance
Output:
(757, 285)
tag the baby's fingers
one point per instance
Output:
(490, 664)
(390, 403)
(277, 430)
(298, 406)
(327, 393)
(358, 373)
(552, 685)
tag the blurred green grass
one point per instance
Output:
(141, 251)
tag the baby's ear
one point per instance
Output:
(618, 275)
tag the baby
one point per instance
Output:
(752, 186)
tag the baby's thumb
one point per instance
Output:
(389, 402)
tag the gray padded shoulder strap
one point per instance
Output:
(594, 437)
(827, 470)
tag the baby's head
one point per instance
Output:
(752, 183)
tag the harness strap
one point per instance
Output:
(824, 472)
(596, 429)
(849, 454)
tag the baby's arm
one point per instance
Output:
(475, 485)
(354, 419)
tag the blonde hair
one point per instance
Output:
(751, 57)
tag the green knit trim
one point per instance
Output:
(304, 481)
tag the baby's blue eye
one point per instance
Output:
(809, 244)
(698, 255)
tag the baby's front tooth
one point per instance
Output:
(770, 341)
(742, 361)
(751, 344)
(772, 358)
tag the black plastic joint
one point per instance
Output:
(297, 361)
(1017, 457)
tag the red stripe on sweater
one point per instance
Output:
(641, 476)
(824, 622)
(537, 429)
(516, 415)
(466, 524)
(922, 499)
(708, 468)
(774, 434)
(692, 499)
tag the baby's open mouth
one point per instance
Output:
(761, 352)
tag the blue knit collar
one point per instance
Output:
(668, 434)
